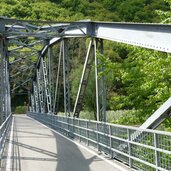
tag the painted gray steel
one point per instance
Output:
(150, 150)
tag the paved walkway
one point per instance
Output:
(34, 147)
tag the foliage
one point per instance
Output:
(89, 99)
(165, 16)
(140, 10)
(116, 116)
(87, 115)
(21, 110)
(141, 81)
(136, 79)
(34, 10)
(127, 117)
(69, 10)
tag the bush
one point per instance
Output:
(113, 116)
(87, 115)
(21, 110)
(128, 117)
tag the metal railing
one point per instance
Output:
(3, 134)
(147, 150)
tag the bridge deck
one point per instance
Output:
(34, 147)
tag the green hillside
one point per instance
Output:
(71, 10)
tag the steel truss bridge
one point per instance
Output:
(27, 47)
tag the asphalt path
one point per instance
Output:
(34, 147)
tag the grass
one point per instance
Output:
(21, 109)
(118, 116)
(114, 116)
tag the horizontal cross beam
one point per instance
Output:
(152, 36)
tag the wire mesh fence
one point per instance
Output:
(147, 150)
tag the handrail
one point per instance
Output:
(3, 134)
(120, 126)
(5, 121)
(150, 149)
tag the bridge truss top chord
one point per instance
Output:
(27, 55)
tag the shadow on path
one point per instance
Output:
(37, 148)
(66, 154)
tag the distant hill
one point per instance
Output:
(69, 10)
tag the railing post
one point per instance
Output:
(87, 133)
(73, 128)
(79, 130)
(97, 128)
(68, 131)
(51, 117)
(156, 152)
(129, 147)
(110, 141)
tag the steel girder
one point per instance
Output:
(66, 81)
(100, 84)
(45, 72)
(27, 34)
(5, 103)
(153, 36)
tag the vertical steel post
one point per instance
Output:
(110, 141)
(87, 132)
(29, 101)
(129, 147)
(96, 80)
(1, 80)
(156, 152)
(2, 57)
(100, 85)
(66, 81)
(50, 73)
(46, 85)
(103, 88)
(5, 80)
(7, 83)
(35, 93)
(40, 91)
(79, 131)
(5, 89)
(32, 103)
(8, 90)
(97, 135)
(5, 106)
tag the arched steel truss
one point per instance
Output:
(30, 43)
